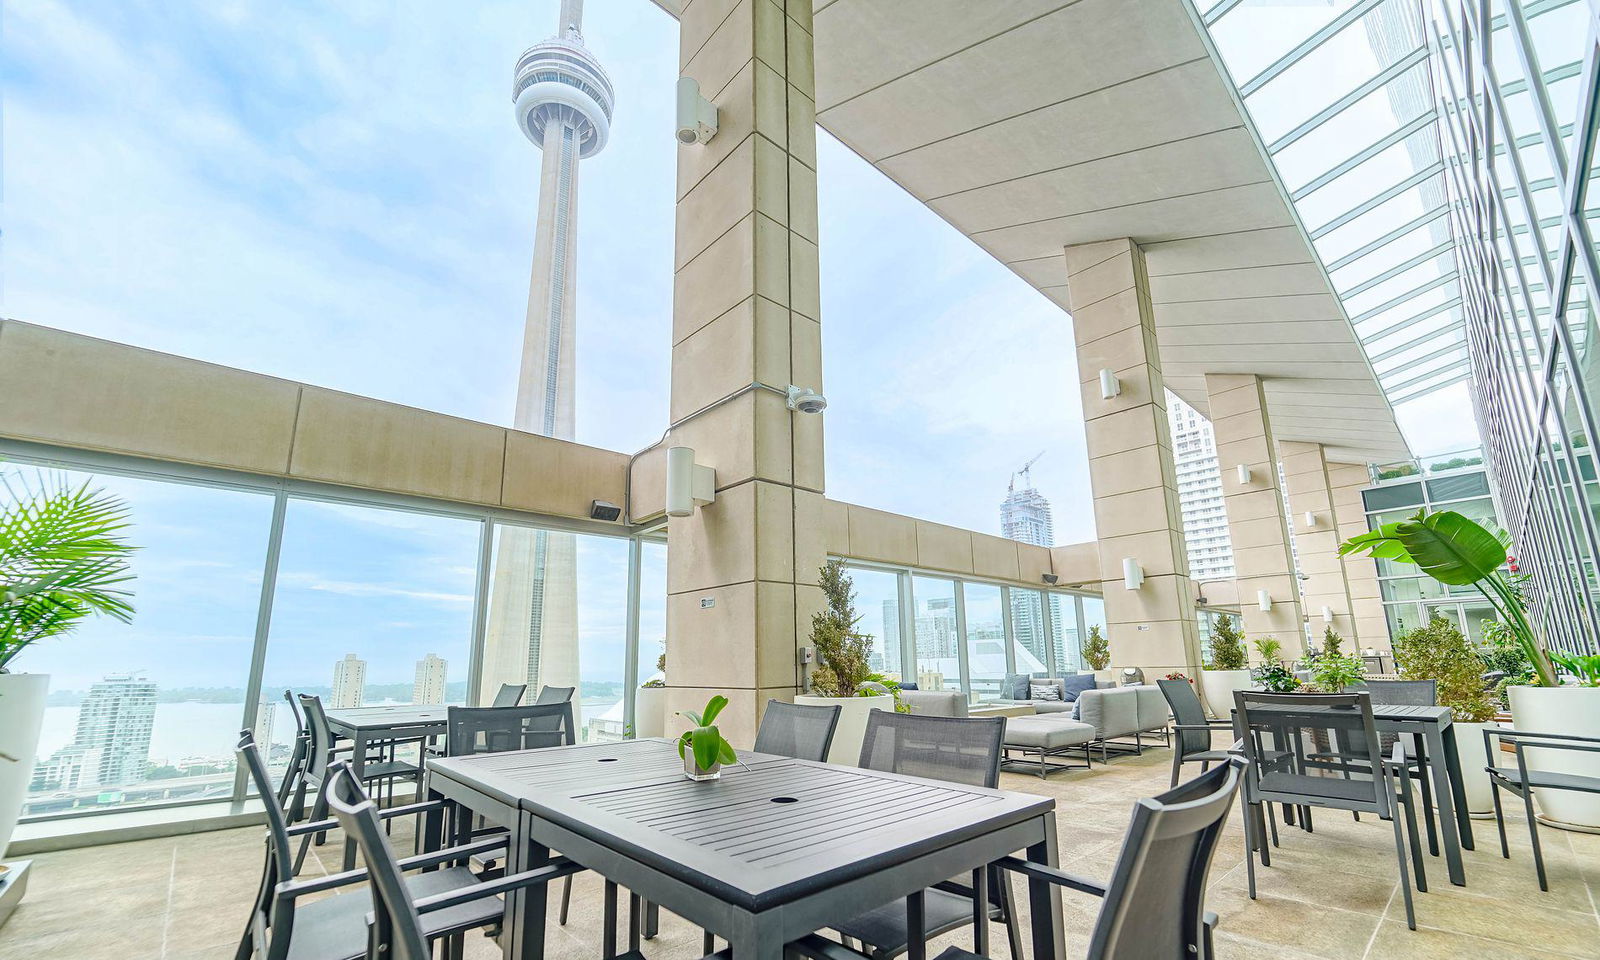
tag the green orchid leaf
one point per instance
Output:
(713, 707)
(693, 717)
(726, 754)
(707, 745)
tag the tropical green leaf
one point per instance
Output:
(692, 716)
(726, 754)
(1451, 548)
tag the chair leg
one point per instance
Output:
(1405, 878)
(1272, 821)
(1408, 805)
(318, 811)
(566, 898)
(1177, 764)
(1261, 833)
(1427, 811)
(1499, 818)
(608, 923)
(1249, 846)
(1008, 903)
(708, 943)
(1533, 834)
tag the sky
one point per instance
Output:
(338, 194)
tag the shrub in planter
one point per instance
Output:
(1269, 649)
(1096, 650)
(1227, 647)
(1331, 642)
(1438, 652)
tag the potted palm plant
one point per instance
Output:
(843, 677)
(1455, 550)
(1228, 668)
(62, 559)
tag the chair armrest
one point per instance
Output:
(555, 870)
(820, 948)
(1038, 871)
(1544, 741)
(1212, 725)
(319, 826)
(291, 889)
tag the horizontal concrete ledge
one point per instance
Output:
(145, 823)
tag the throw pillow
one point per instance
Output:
(1015, 686)
(1047, 692)
(1076, 685)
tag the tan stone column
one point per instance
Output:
(741, 572)
(1131, 473)
(1256, 527)
(1305, 473)
(1347, 480)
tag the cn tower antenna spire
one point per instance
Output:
(571, 18)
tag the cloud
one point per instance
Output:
(347, 588)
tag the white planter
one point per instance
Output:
(852, 727)
(1217, 687)
(1469, 747)
(1574, 711)
(650, 712)
(22, 698)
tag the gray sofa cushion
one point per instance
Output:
(935, 703)
(1153, 709)
(1046, 733)
(1113, 712)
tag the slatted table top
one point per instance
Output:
(770, 830)
(1394, 712)
(388, 716)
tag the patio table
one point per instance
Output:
(368, 726)
(1435, 730)
(775, 849)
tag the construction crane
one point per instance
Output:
(1026, 480)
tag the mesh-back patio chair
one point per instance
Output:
(320, 753)
(287, 920)
(1521, 781)
(410, 913)
(959, 750)
(1193, 729)
(509, 695)
(1280, 737)
(472, 730)
(1420, 693)
(1153, 907)
(549, 694)
(797, 730)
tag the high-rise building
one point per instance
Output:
(563, 105)
(1205, 521)
(266, 714)
(1025, 517)
(349, 682)
(429, 684)
(115, 720)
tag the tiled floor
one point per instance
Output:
(1332, 894)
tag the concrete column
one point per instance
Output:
(1305, 472)
(741, 572)
(1261, 557)
(1131, 472)
(1346, 481)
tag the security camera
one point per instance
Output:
(806, 400)
(1049, 578)
(697, 116)
(604, 510)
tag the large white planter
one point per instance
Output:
(1574, 711)
(650, 712)
(1217, 687)
(1469, 747)
(852, 727)
(22, 697)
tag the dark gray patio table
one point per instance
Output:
(366, 726)
(1435, 728)
(776, 849)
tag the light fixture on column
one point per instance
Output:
(1132, 573)
(688, 483)
(1110, 386)
(697, 116)
(805, 399)
(1327, 614)
(1311, 520)
(1244, 473)
(1264, 600)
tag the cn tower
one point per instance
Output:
(563, 102)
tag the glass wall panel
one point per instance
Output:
(602, 637)
(985, 640)
(1029, 632)
(934, 629)
(1094, 615)
(149, 711)
(372, 606)
(652, 609)
(878, 604)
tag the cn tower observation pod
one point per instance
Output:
(560, 80)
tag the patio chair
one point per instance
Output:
(284, 923)
(1521, 781)
(1280, 732)
(410, 913)
(509, 695)
(549, 694)
(1423, 693)
(939, 748)
(1153, 907)
(313, 775)
(796, 730)
(1193, 744)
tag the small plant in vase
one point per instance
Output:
(702, 747)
